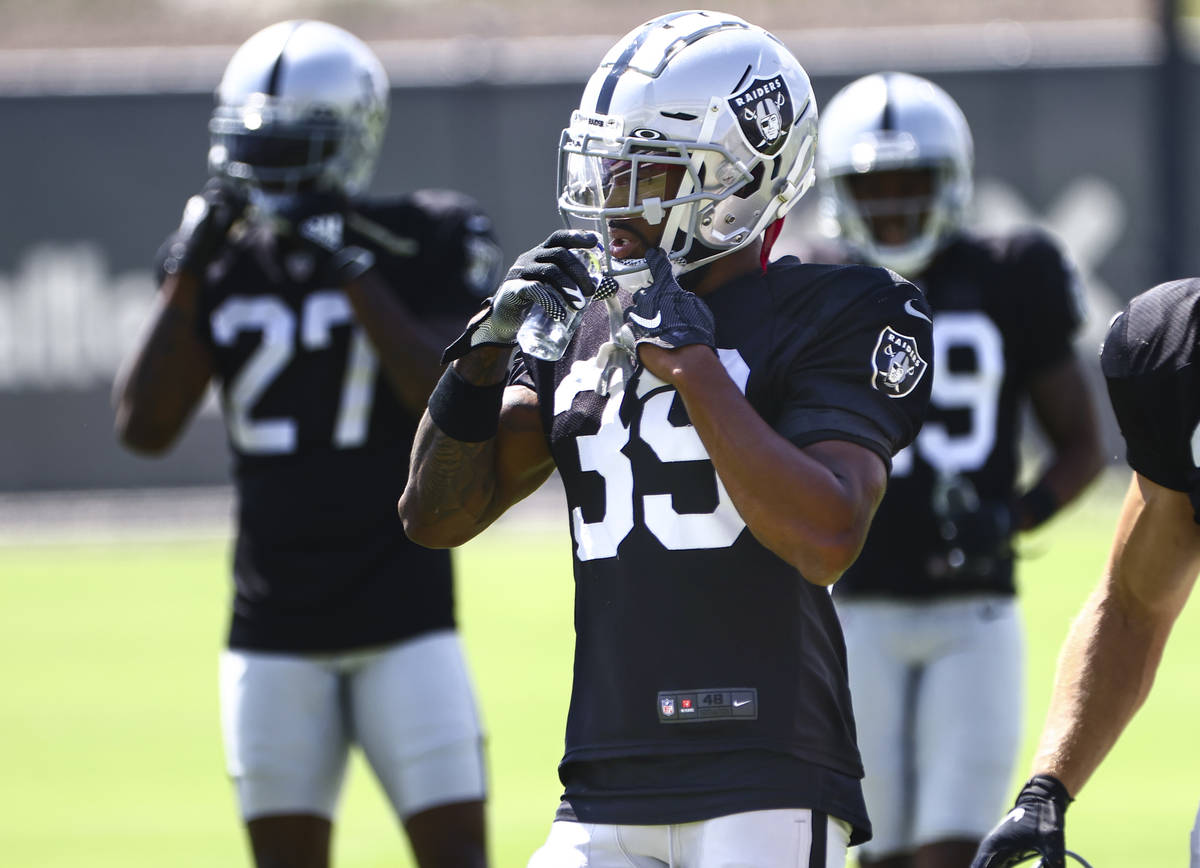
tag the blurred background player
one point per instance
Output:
(932, 630)
(317, 311)
(1108, 660)
(719, 479)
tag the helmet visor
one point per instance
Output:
(600, 182)
(251, 146)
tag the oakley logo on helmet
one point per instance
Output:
(764, 112)
(897, 366)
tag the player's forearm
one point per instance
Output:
(159, 387)
(1074, 468)
(796, 506)
(408, 352)
(1112, 652)
(1064, 479)
(450, 488)
(1063, 404)
(457, 486)
(1105, 670)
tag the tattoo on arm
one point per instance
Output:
(454, 476)
(456, 489)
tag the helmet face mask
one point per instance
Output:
(696, 132)
(302, 107)
(610, 184)
(893, 124)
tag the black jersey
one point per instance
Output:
(320, 443)
(695, 645)
(1150, 361)
(1005, 310)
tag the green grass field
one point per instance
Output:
(112, 753)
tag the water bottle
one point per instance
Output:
(546, 338)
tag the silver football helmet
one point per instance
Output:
(709, 93)
(302, 106)
(886, 121)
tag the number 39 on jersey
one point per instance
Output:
(604, 453)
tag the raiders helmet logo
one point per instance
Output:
(896, 365)
(765, 113)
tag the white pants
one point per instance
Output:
(289, 721)
(755, 839)
(937, 691)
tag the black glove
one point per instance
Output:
(207, 217)
(666, 314)
(1034, 827)
(550, 275)
(319, 223)
(976, 534)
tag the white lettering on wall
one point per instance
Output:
(66, 322)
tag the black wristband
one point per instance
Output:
(1038, 504)
(465, 411)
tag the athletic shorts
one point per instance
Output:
(289, 721)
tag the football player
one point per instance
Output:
(932, 628)
(1108, 660)
(318, 313)
(723, 426)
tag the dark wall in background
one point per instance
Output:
(92, 184)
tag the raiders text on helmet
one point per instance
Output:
(705, 91)
(888, 121)
(302, 106)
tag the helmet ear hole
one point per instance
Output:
(749, 189)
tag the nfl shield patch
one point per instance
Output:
(668, 706)
(896, 365)
(765, 113)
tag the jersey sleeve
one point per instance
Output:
(1148, 360)
(440, 251)
(867, 378)
(1051, 298)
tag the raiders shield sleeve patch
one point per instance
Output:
(896, 366)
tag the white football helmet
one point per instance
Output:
(886, 121)
(706, 91)
(302, 106)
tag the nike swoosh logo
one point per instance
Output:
(909, 308)
(647, 323)
(737, 704)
